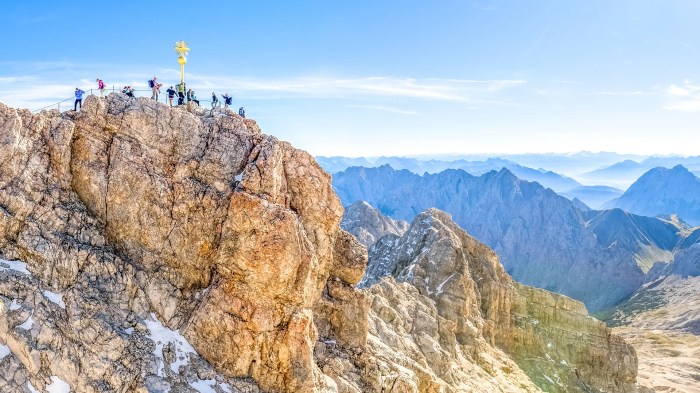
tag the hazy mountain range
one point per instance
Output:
(543, 239)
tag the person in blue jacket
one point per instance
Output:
(78, 99)
(227, 100)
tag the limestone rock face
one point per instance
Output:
(368, 224)
(550, 337)
(142, 219)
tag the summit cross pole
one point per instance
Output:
(181, 49)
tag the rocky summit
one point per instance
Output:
(550, 337)
(368, 224)
(150, 249)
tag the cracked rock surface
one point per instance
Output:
(135, 215)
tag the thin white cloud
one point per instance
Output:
(35, 85)
(383, 108)
(683, 98)
(429, 89)
(622, 93)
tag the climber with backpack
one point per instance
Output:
(153, 84)
(241, 112)
(181, 88)
(214, 100)
(100, 86)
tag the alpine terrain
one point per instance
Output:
(150, 249)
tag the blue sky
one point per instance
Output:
(366, 78)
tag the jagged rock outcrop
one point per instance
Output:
(368, 224)
(137, 213)
(551, 337)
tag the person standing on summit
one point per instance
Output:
(100, 86)
(78, 99)
(153, 84)
(181, 88)
(171, 95)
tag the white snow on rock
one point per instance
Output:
(55, 298)
(439, 287)
(14, 305)
(17, 266)
(27, 325)
(57, 385)
(31, 388)
(226, 388)
(204, 386)
(4, 351)
(161, 335)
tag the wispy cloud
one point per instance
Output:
(623, 93)
(454, 90)
(383, 108)
(39, 84)
(684, 97)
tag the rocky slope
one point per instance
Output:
(550, 337)
(368, 224)
(662, 191)
(149, 249)
(139, 216)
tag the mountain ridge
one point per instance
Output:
(529, 226)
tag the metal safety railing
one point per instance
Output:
(162, 97)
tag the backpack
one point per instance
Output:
(228, 100)
(151, 84)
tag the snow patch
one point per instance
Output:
(14, 305)
(161, 335)
(549, 379)
(57, 385)
(31, 388)
(16, 266)
(56, 298)
(129, 330)
(27, 325)
(226, 388)
(439, 287)
(4, 351)
(204, 386)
